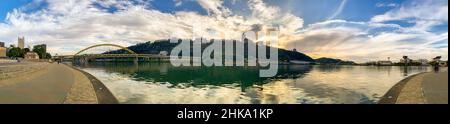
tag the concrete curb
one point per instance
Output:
(104, 96)
(392, 95)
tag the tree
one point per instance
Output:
(16, 52)
(41, 50)
(48, 55)
(25, 50)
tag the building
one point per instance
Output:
(385, 63)
(2, 52)
(31, 56)
(163, 53)
(405, 60)
(21, 42)
(422, 61)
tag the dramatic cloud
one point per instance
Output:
(67, 26)
(424, 14)
(366, 41)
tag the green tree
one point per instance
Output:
(48, 55)
(41, 50)
(16, 52)
(25, 50)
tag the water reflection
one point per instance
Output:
(198, 76)
(163, 83)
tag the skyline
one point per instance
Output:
(344, 29)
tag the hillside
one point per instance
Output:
(334, 61)
(164, 45)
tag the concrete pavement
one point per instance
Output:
(424, 88)
(53, 84)
(435, 87)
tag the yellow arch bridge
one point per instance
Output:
(132, 56)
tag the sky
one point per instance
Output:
(357, 30)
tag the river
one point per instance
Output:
(161, 83)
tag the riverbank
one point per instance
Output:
(50, 84)
(423, 88)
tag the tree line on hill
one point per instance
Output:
(165, 45)
(334, 61)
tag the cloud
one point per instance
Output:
(339, 10)
(215, 7)
(178, 2)
(424, 14)
(368, 41)
(386, 5)
(69, 26)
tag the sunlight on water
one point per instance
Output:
(160, 83)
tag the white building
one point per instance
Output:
(386, 63)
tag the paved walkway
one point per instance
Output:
(54, 84)
(435, 87)
(425, 88)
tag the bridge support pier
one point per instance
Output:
(136, 60)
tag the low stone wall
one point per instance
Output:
(12, 70)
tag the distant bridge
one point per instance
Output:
(132, 56)
(99, 45)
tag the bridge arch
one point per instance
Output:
(99, 45)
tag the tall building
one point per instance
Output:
(21, 42)
(2, 44)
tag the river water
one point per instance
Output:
(161, 83)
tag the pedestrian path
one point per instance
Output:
(53, 84)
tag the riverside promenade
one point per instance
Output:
(423, 88)
(50, 83)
